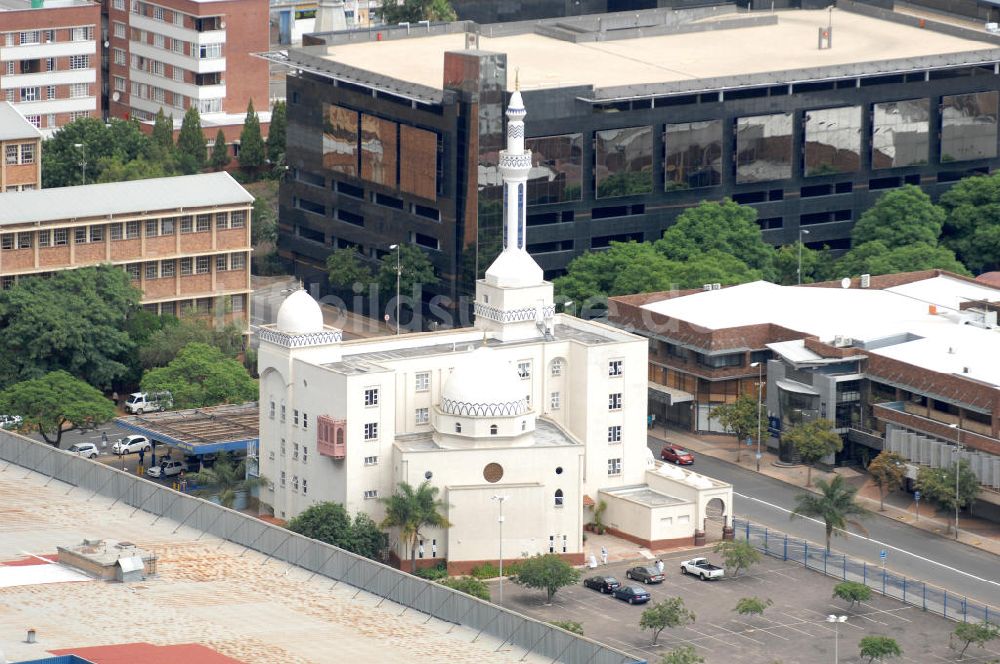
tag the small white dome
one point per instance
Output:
(300, 314)
(484, 385)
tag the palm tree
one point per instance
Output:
(834, 505)
(225, 479)
(410, 510)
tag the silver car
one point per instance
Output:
(88, 450)
(130, 444)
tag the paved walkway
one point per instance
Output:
(898, 505)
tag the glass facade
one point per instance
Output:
(418, 161)
(969, 126)
(624, 161)
(693, 155)
(900, 133)
(556, 169)
(340, 140)
(833, 140)
(763, 148)
(378, 150)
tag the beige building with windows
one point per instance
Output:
(21, 146)
(184, 241)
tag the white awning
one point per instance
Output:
(670, 395)
(792, 386)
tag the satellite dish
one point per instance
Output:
(116, 96)
(845, 282)
(106, 44)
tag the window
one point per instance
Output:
(116, 231)
(133, 270)
(615, 368)
(282, 445)
(7, 241)
(305, 454)
(614, 467)
(371, 460)
(168, 268)
(50, 119)
(270, 455)
(208, 51)
(295, 451)
(295, 419)
(34, 120)
(24, 240)
(167, 226)
(119, 55)
(119, 30)
(557, 366)
(371, 396)
(221, 220)
(79, 90)
(282, 478)
(186, 225)
(458, 427)
(204, 264)
(559, 498)
(27, 153)
(615, 401)
(151, 270)
(305, 485)
(371, 431)
(44, 238)
(554, 401)
(423, 380)
(158, 42)
(50, 93)
(615, 434)
(187, 268)
(30, 94)
(221, 263)
(238, 303)
(131, 230)
(238, 219)
(97, 233)
(158, 13)
(152, 227)
(238, 262)
(524, 369)
(79, 62)
(423, 415)
(494, 430)
(80, 235)
(203, 223)
(177, 46)
(60, 237)
(11, 154)
(81, 34)
(371, 494)
(30, 37)
(271, 410)
(50, 64)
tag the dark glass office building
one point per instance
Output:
(632, 118)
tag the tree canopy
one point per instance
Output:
(329, 522)
(938, 485)
(416, 272)
(469, 585)
(411, 11)
(744, 417)
(835, 505)
(162, 344)
(852, 592)
(670, 612)
(752, 606)
(546, 572)
(738, 555)
(200, 376)
(978, 633)
(220, 152)
(72, 320)
(682, 655)
(813, 441)
(276, 132)
(411, 510)
(252, 152)
(879, 647)
(972, 223)
(346, 267)
(191, 144)
(225, 479)
(888, 470)
(55, 403)
(899, 218)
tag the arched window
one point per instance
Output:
(493, 429)
(458, 427)
(556, 367)
(559, 498)
(340, 436)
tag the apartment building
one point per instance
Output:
(175, 54)
(21, 146)
(184, 241)
(49, 61)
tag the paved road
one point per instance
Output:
(911, 552)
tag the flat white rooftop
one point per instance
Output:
(545, 62)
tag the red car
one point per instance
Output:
(676, 454)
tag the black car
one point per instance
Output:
(605, 584)
(631, 594)
(645, 574)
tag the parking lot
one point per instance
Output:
(792, 631)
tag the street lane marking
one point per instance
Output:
(874, 541)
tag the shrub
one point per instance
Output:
(439, 571)
(486, 571)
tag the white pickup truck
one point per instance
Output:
(703, 569)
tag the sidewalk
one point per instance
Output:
(899, 506)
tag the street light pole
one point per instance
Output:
(836, 620)
(798, 272)
(760, 388)
(398, 272)
(500, 500)
(83, 164)
(958, 469)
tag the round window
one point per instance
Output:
(558, 470)
(492, 472)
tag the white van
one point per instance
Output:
(141, 402)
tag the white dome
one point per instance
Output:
(484, 385)
(300, 314)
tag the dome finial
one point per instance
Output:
(517, 78)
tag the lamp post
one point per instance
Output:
(836, 620)
(398, 272)
(958, 468)
(760, 390)
(83, 164)
(798, 272)
(500, 500)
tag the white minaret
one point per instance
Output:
(514, 300)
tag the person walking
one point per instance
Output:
(604, 555)
(104, 441)
(659, 565)
(142, 456)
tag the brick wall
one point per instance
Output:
(196, 242)
(122, 250)
(161, 246)
(92, 252)
(53, 256)
(232, 238)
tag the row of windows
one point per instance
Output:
(199, 306)
(295, 483)
(186, 266)
(82, 33)
(119, 231)
(295, 452)
(23, 153)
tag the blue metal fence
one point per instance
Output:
(911, 591)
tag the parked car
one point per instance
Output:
(167, 468)
(703, 569)
(676, 454)
(143, 402)
(88, 450)
(631, 594)
(131, 444)
(605, 584)
(645, 574)
(10, 421)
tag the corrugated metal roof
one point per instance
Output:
(120, 198)
(13, 125)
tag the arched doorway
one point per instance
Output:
(715, 518)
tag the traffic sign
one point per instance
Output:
(758, 455)
(916, 496)
(749, 441)
(883, 554)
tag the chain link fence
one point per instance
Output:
(911, 591)
(514, 630)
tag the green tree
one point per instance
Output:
(546, 572)
(888, 470)
(738, 555)
(220, 152)
(834, 504)
(744, 417)
(682, 655)
(876, 258)
(163, 131)
(55, 403)
(813, 441)
(276, 133)
(938, 485)
(752, 606)
(117, 141)
(191, 144)
(264, 223)
(879, 647)
(252, 153)
(113, 169)
(852, 592)
(345, 267)
(367, 538)
(329, 522)
(569, 626)
(73, 320)
(162, 345)
(411, 510)
(411, 11)
(670, 612)
(972, 223)
(416, 271)
(899, 218)
(225, 479)
(200, 376)
(469, 585)
(817, 265)
(978, 633)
